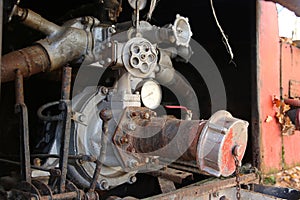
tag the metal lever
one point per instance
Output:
(65, 106)
(21, 109)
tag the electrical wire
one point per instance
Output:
(225, 38)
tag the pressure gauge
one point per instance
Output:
(151, 94)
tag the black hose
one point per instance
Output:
(48, 118)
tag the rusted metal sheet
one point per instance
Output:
(29, 61)
(199, 189)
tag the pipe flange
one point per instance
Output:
(139, 57)
(182, 31)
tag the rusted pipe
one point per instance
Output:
(66, 84)
(29, 61)
(35, 21)
(210, 143)
(19, 88)
(292, 102)
(63, 44)
(181, 135)
(67, 195)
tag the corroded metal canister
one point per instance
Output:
(210, 143)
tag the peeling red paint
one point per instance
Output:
(227, 159)
(268, 85)
(269, 52)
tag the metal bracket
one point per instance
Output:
(173, 175)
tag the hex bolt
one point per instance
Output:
(154, 160)
(111, 30)
(124, 140)
(84, 20)
(104, 90)
(223, 198)
(55, 172)
(108, 60)
(146, 115)
(133, 163)
(132, 179)
(109, 44)
(131, 126)
(215, 194)
(104, 184)
(132, 114)
(37, 162)
(147, 160)
(82, 118)
(106, 114)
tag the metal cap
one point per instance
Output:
(219, 138)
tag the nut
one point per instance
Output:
(104, 184)
(133, 163)
(132, 179)
(131, 126)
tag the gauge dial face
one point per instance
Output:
(151, 94)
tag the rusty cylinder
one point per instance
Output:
(176, 137)
(209, 143)
(29, 61)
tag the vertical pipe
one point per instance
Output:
(66, 84)
(19, 88)
(65, 106)
(21, 109)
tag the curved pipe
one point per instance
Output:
(63, 45)
(168, 77)
(35, 21)
(186, 93)
(292, 102)
(29, 61)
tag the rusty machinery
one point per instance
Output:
(104, 136)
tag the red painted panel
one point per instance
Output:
(290, 71)
(268, 84)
